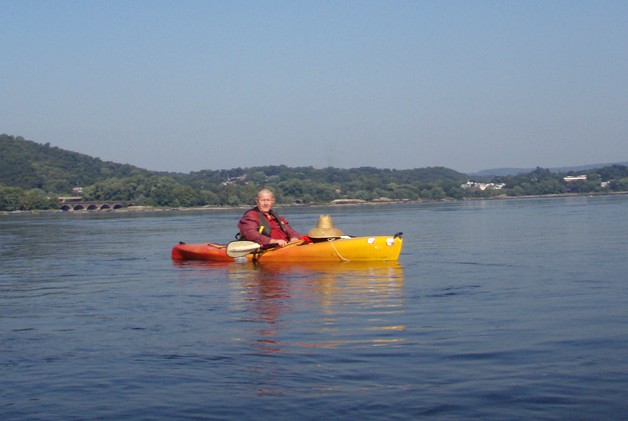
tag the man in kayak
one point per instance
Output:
(263, 226)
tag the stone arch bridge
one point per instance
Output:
(77, 204)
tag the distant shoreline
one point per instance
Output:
(345, 203)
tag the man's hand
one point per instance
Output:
(280, 243)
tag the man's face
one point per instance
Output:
(265, 201)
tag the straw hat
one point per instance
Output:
(324, 228)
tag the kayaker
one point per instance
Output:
(263, 226)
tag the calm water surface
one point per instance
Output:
(511, 309)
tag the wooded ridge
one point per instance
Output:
(34, 176)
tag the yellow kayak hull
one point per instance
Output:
(353, 249)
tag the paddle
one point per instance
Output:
(274, 247)
(241, 248)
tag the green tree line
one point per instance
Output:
(33, 176)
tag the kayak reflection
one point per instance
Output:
(327, 304)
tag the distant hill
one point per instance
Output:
(28, 165)
(33, 176)
(516, 171)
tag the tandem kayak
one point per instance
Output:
(343, 249)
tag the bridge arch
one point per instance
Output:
(93, 206)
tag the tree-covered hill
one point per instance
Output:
(33, 175)
(29, 165)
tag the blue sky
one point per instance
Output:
(190, 85)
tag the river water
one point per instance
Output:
(502, 309)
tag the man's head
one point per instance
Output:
(265, 200)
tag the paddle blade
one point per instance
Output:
(241, 248)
